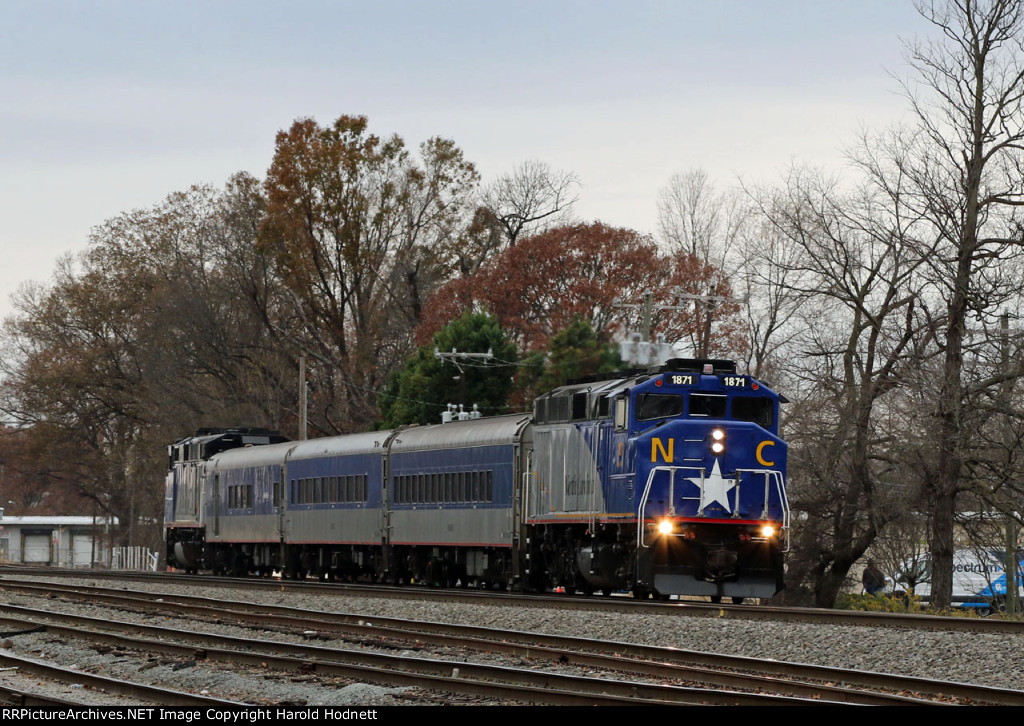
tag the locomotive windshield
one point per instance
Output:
(710, 405)
(758, 410)
(658, 405)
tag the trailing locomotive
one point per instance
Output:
(670, 481)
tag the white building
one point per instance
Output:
(60, 541)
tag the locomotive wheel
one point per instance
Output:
(640, 593)
(716, 599)
(737, 600)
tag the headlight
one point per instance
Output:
(767, 531)
(717, 441)
(665, 527)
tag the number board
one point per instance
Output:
(734, 381)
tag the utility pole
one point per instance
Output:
(455, 358)
(711, 300)
(1012, 592)
(302, 397)
(647, 309)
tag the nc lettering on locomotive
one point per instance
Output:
(668, 455)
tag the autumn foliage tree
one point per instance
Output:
(83, 349)
(542, 284)
(361, 233)
(157, 329)
(36, 480)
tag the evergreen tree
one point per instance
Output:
(574, 352)
(420, 392)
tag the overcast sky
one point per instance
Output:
(110, 106)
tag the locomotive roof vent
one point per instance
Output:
(696, 365)
(243, 430)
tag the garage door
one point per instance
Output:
(36, 548)
(81, 550)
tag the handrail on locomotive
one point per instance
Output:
(771, 477)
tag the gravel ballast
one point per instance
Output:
(994, 660)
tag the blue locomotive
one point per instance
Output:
(669, 481)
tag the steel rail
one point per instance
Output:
(145, 692)
(27, 699)
(460, 677)
(680, 608)
(809, 681)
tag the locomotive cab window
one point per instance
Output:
(758, 410)
(707, 405)
(621, 418)
(658, 405)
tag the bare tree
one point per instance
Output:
(852, 263)
(530, 199)
(763, 282)
(696, 221)
(694, 218)
(961, 168)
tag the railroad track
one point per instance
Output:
(73, 678)
(461, 677)
(678, 608)
(719, 679)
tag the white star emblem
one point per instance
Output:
(716, 489)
